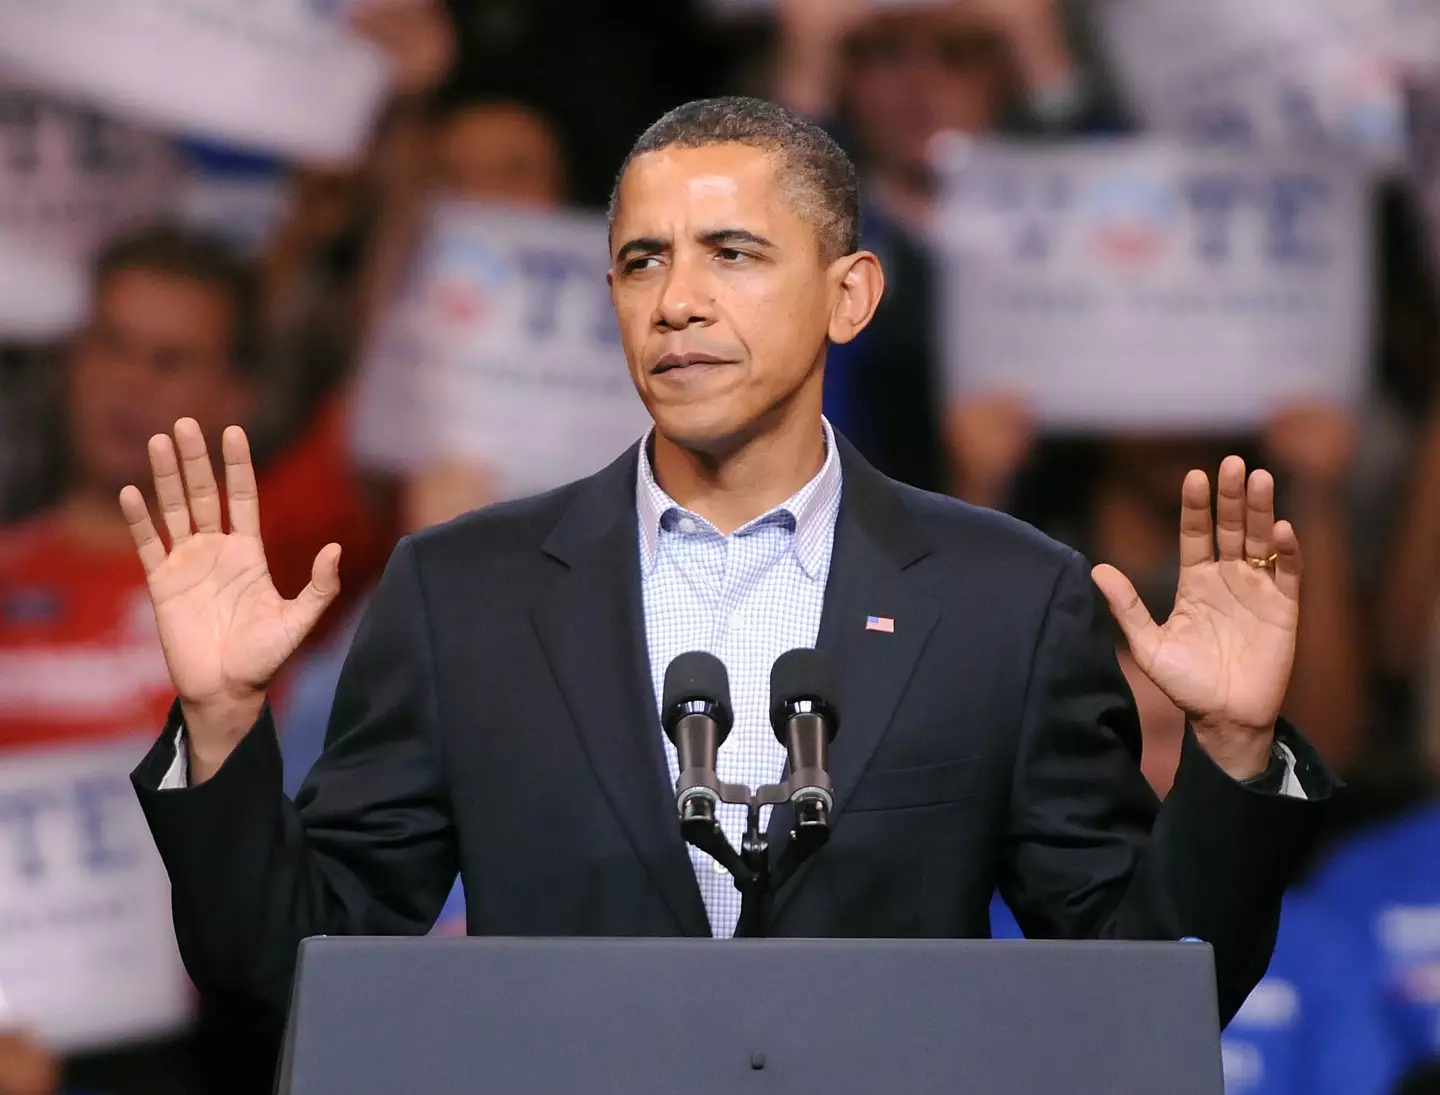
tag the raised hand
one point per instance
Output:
(1225, 653)
(225, 629)
(416, 35)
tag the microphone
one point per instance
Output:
(697, 717)
(805, 720)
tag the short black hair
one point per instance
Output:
(823, 176)
(202, 257)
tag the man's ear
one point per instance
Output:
(859, 283)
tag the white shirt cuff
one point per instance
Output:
(1291, 786)
(177, 778)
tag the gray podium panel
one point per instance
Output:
(754, 1016)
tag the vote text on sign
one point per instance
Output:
(87, 952)
(503, 351)
(1142, 284)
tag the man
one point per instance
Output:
(498, 709)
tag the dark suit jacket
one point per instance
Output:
(496, 716)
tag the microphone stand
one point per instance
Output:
(750, 867)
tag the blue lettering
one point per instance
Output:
(95, 802)
(20, 813)
(1222, 123)
(1294, 199)
(1302, 117)
(1213, 199)
(547, 271)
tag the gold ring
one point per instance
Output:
(1263, 563)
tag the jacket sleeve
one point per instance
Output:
(1091, 853)
(365, 848)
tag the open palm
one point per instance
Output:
(225, 629)
(1225, 653)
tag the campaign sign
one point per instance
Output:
(283, 75)
(87, 952)
(503, 351)
(1317, 76)
(69, 179)
(1144, 284)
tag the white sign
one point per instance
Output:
(1139, 284)
(69, 179)
(282, 75)
(503, 351)
(87, 952)
(1299, 75)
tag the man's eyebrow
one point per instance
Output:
(728, 237)
(643, 245)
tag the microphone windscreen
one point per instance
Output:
(800, 674)
(696, 676)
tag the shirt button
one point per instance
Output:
(686, 525)
(718, 867)
(737, 620)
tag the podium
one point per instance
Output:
(373, 1016)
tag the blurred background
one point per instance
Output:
(1121, 238)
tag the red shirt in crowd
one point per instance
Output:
(80, 655)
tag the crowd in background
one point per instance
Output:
(534, 103)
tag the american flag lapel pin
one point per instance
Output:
(880, 623)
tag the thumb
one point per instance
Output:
(305, 610)
(1135, 621)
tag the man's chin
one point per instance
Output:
(709, 430)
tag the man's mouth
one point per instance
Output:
(671, 362)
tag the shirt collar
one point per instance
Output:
(813, 508)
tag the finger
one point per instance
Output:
(1140, 630)
(1197, 532)
(240, 488)
(1230, 508)
(1289, 564)
(303, 613)
(142, 529)
(1260, 515)
(200, 488)
(169, 489)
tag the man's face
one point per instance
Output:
(499, 152)
(722, 293)
(156, 348)
(914, 74)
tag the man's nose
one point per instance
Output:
(687, 297)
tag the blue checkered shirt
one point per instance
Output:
(746, 598)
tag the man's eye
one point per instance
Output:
(635, 265)
(731, 254)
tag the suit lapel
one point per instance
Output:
(876, 540)
(590, 623)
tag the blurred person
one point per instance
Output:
(1382, 884)
(1410, 590)
(891, 77)
(1125, 518)
(173, 327)
(488, 147)
(320, 267)
(1316, 1024)
(735, 262)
